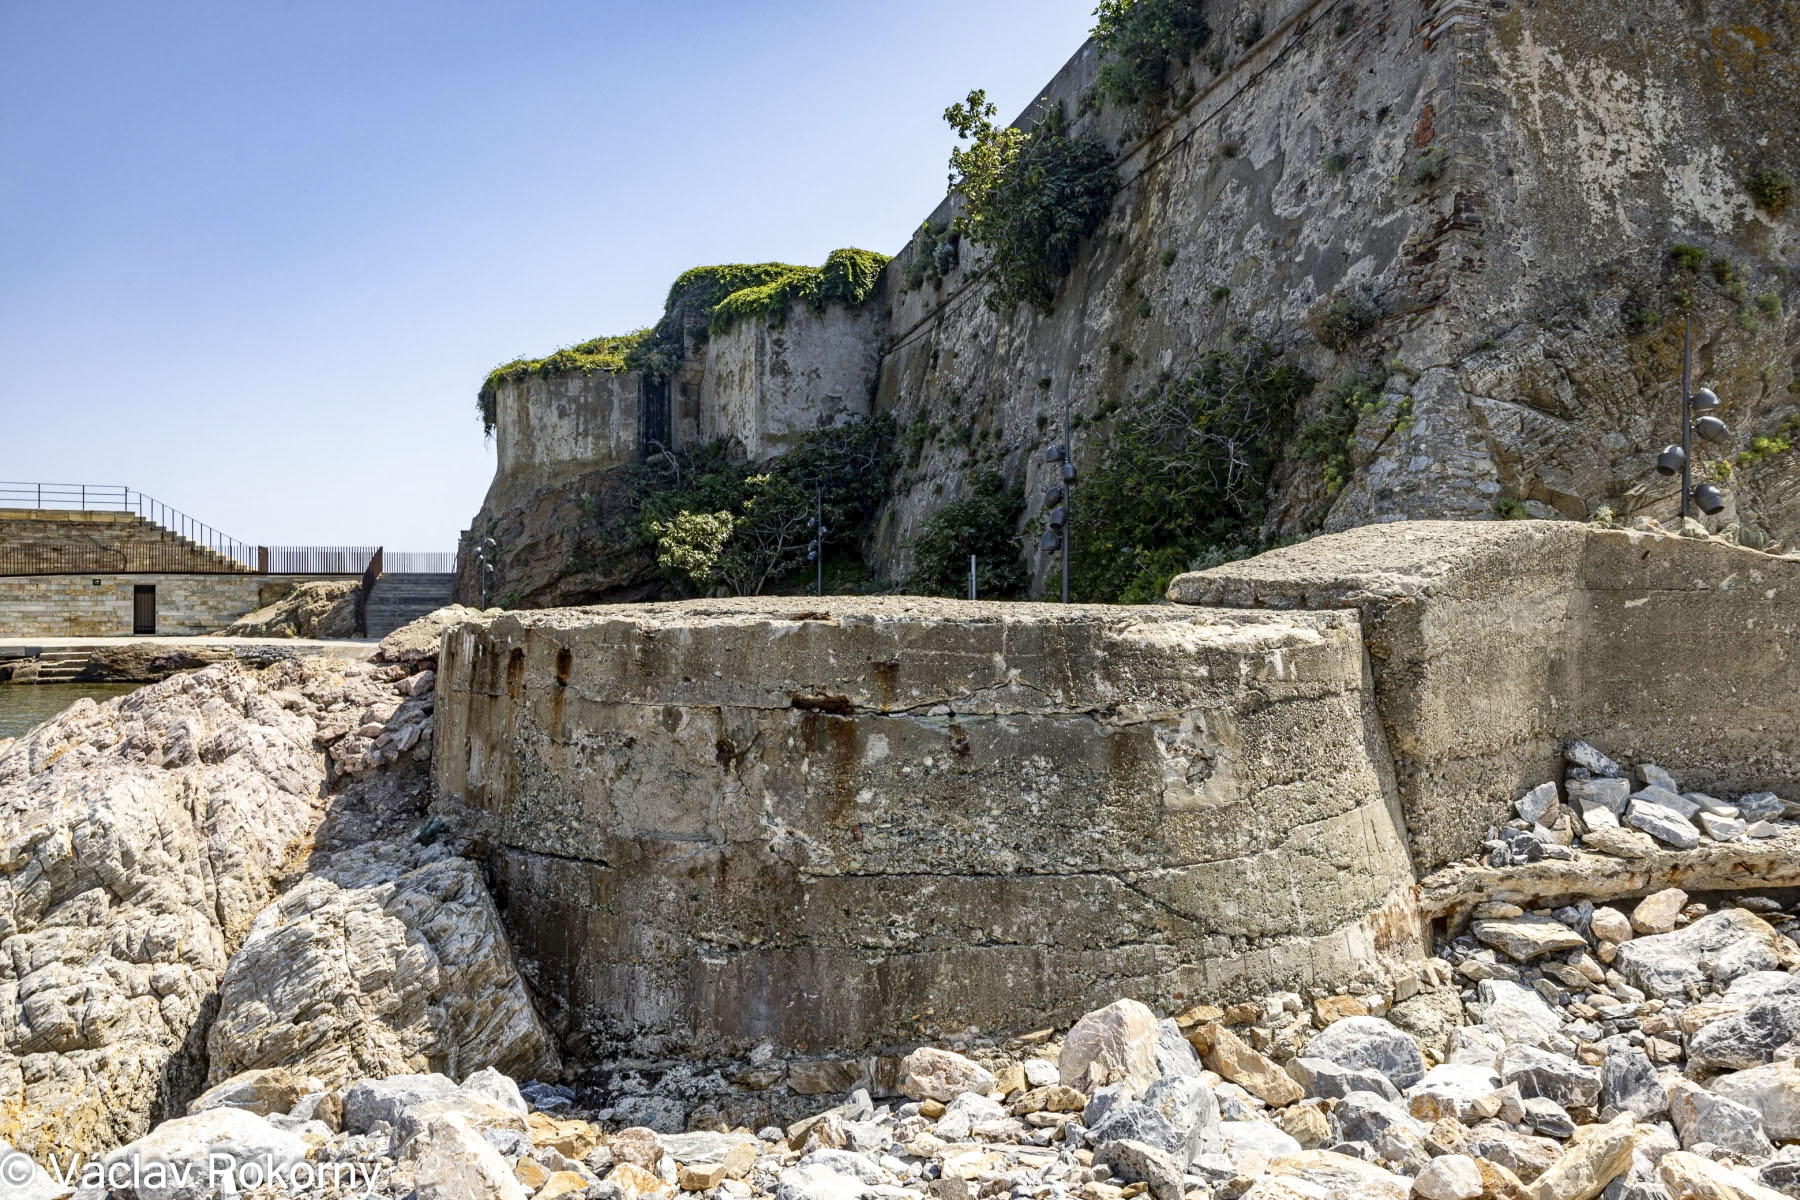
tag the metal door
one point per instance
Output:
(143, 608)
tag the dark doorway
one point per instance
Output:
(143, 608)
(653, 417)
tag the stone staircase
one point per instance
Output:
(61, 666)
(55, 540)
(401, 597)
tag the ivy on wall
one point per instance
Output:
(1029, 197)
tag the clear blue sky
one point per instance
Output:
(255, 258)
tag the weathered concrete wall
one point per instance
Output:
(551, 428)
(1493, 643)
(767, 382)
(874, 821)
(101, 605)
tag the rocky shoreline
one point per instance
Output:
(238, 923)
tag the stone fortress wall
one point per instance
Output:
(1503, 182)
(850, 823)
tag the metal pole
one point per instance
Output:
(971, 576)
(1068, 485)
(819, 535)
(1687, 422)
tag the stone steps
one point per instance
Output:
(400, 598)
(61, 666)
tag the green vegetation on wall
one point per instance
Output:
(936, 251)
(1029, 197)
(722, 525)
(848, 276)
(1770, 189)
(985, 524)
(1141, 41)
(701, 301)
(600, 354)
(1185, 475)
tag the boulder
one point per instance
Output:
(1629, 1083)
(390, 959)
(1115, 1044)
(1552, 1076)
(318, 608)
(1656, 913)
(1326, 1080)
(1661, 822)
(1431, 1017)
(216, 1145)
(929, 1073)
(416, 643)
(1771, 1091)
(1516, 1013)
(1174, 1056)
(1228, 1055)
(1370, 1044)
(1590, 1163)
(1703, 1116)
(1690, 1177)
(1450, 1177)
(1327, 1173)
(1461, 1091)
(1749, 1038)
(1667, 965)
(828, 1175)
(1137, 1162)
(262, 1092)
(1189, 1106)
(449, 1159)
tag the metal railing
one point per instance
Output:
(315, 560)
(188, 546)
(94, 497)
(418, 562)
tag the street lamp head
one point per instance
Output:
(1710, 499)
(1058, 516)
(1068, 472)
(1054, 496)
(1050, 541)
(1705, 400)
(1713, 429)
(1670, 460)
(1056, 453)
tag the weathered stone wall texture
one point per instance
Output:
(101, 605)
(1493, 643)
(876, 821)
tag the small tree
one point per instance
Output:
(1029, 197)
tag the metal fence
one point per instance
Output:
(418, 562)
(315, 560)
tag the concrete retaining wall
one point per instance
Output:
(101, 605)
(866, 822)
(1493, 643)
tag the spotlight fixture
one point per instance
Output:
(1680, 459)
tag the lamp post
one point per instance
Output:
(1056, 500)
(815, 552)
(484, 566)
(1673, 459)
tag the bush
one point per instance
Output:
(985, 524)
(1770, 189)
(1686, 257)
(1186, 472)
(1029, 198)
(1346, 319)
(721, 524)
(1140, 42)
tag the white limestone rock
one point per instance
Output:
(391, 958)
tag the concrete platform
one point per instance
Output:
(30, 660)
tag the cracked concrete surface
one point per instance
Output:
(861, 821)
